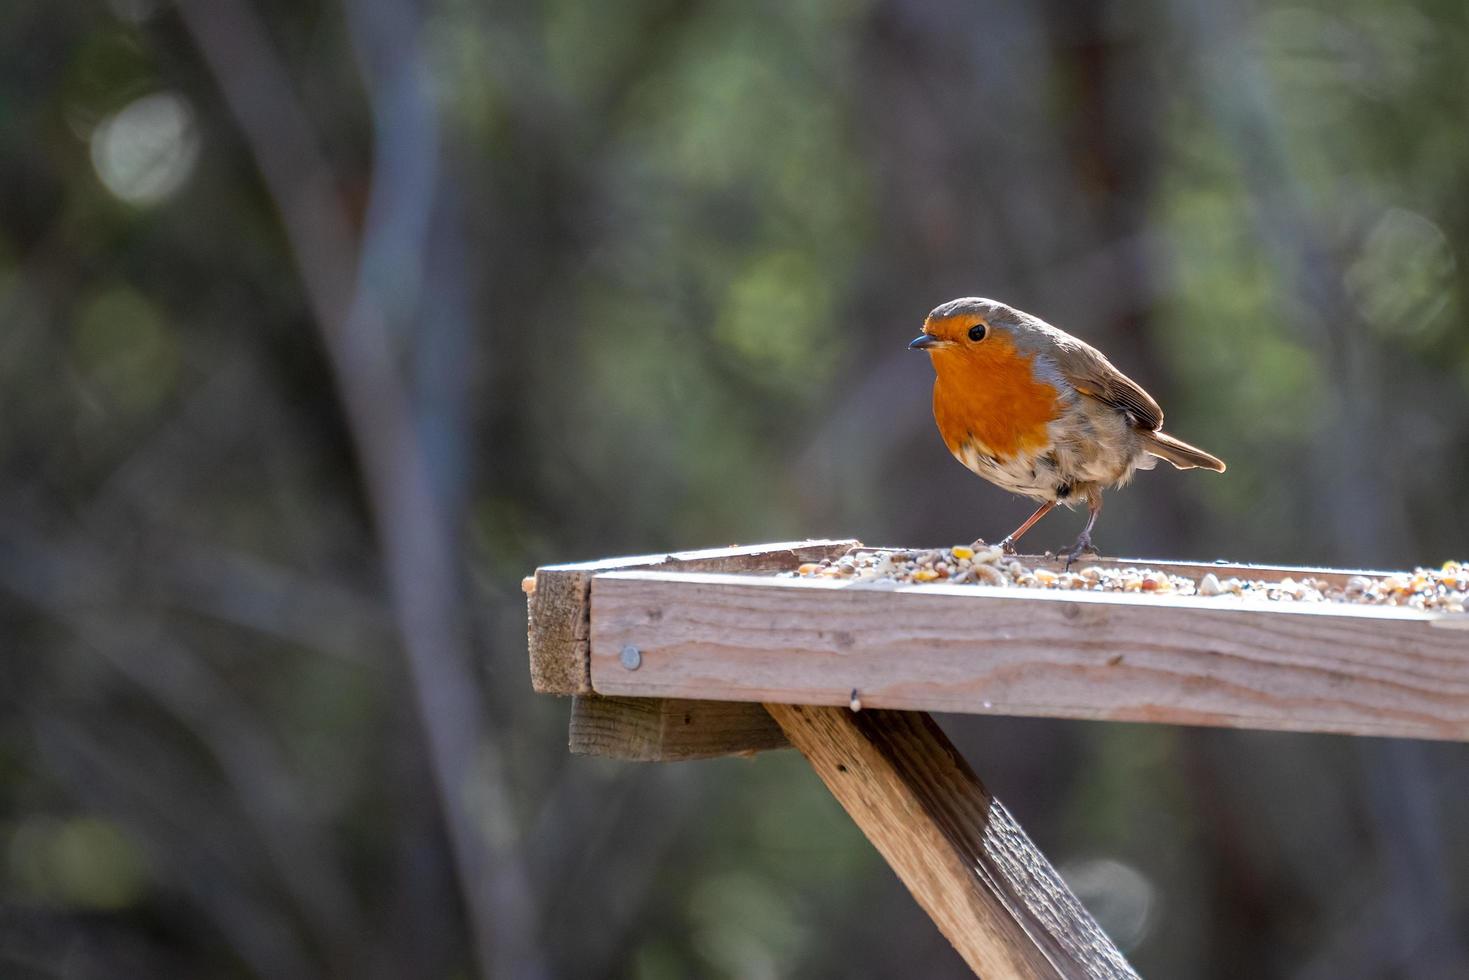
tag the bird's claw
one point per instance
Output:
(1007, 547)
(1083, 546)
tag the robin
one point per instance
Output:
(1036, 411)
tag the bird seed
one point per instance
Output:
(1445, 589)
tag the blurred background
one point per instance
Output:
(323, 323)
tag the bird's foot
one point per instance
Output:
(1082, 546)
(1007, 546)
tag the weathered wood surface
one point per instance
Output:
(964, 858)
(557, 600)
(1285, 666)
(670, 729)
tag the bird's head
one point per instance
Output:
(964, 325)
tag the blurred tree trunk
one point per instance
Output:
(1104, 56)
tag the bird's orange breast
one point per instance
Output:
(989, 394)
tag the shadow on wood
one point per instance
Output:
(670, 729)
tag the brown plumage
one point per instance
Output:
(1036, 411)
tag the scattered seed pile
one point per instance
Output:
(1442, 590)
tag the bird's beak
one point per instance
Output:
(925, 342)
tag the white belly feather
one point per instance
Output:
(1091, 446)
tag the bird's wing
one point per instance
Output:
(1093, 375)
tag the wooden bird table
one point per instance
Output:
(700, 654)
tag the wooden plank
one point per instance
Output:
(557, 600)
(670, 729)
(966, 861)
(1184, 660)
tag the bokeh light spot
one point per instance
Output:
(144, 152)
(80, 862)
(124, 346)
(1117, 895)
(775, 318)
(1403, 276)
(745, 925)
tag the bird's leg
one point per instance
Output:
(1084, 539)
(1007, 546)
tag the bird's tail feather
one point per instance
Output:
(1180, 453)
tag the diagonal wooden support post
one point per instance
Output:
(991, 892)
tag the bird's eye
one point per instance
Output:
(976, 332)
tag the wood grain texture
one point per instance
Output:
(1182, 660)
(557, 606)
(670, 729)
(965, 860)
